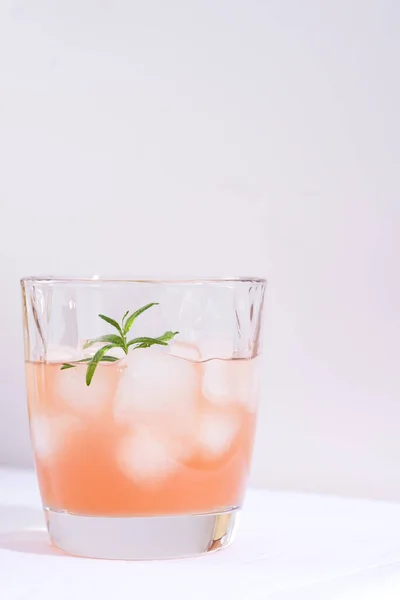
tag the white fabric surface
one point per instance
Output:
(289, 547)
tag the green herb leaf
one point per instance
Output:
(104, 359)
(146, 342)
(93, 364)
(119, 341)
(134, 316)
(124, 317)
(86, 360)
(109, 359)
(112, 322)
(167, 336)
(111, 338)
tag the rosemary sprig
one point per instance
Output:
(119, 340)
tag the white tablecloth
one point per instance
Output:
(289, 547)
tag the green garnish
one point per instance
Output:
(119, 340)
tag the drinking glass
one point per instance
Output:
(142, 400)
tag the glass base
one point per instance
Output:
(141, 538)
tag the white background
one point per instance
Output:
(221, 137)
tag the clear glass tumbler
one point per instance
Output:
(142, 401)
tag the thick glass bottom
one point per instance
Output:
(141, 538)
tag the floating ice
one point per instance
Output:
(156, 388)
(49, 433)
(184, 350)
(147, 457)
(216, 347)
(218, 386)
(233, 381)
(60, 354)
(216, 433)
(91, 351)
(70, 386)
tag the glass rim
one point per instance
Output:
(96, 279)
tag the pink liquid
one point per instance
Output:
(152, 435)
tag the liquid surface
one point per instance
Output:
(154, 434)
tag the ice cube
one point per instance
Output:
(62, 354)
(184, 350)
(70, 386)
(233, 381)
(217, 385)
(49, 433)
(157, 388)
(147, 457)
(216, 433)
(59, 353)
(216, 347)
(91, 351)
